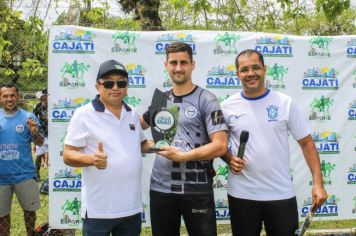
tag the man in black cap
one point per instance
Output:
(105, 138)
(40, 110)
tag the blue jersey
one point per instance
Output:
(16, 163)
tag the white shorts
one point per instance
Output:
(41, 150)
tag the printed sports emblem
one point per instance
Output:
(191, 112)
(19, 128)
(272, 112)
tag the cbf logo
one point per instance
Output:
(72, 74)
(276, 46)
(329, 208)
(275, 75)
(222, 209)
(351, 175)
(136, 75)
(323, 78)
(319, 46)
(326, 170)
(76, 41)
(320, 108)
(351, 48)
(164, 40)
(272, 112)
(352, 110)
(327, 142)
(220, 179)
(124, 43)
(63, 110)
(225, 44)
(132, 101)
(222, 77)
(71, 212)
(67, 180)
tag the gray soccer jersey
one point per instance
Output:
(199, 116)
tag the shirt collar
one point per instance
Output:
(99, 106)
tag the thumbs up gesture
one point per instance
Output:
(100, 158)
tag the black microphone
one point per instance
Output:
(243, 141)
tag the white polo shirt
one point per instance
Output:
(113, 192)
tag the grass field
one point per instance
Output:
(18, 226)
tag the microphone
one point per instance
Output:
(243, 141)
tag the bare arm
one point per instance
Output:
(73, 157)
(312, 158)
(216, 148)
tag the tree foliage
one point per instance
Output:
(26, 40)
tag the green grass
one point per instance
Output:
(18, 226)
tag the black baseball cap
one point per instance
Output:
(111, 66)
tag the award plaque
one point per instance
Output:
(164, 119)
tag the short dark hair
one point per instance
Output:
(179, 47)
(10, 85)
(249, 52)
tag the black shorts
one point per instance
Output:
(280, 217)
(198, 212)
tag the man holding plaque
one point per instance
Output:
(260, 189)
(105, 138)
(193, 134)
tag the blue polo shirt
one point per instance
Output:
(16, 163)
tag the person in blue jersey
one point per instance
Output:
(18, 129)
(259, 186)
(182, 176)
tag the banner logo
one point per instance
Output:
(319, 46)
(220, 179)
(67, 180)
(352, 110)
(76, 41)
(275, 75)
(124, 42)
(222, 77)
(164, 40)
(354, 74)
(70, 212)
(329, 208)
(351, 175)
(132, 101)
(351, 48)
(320, 108)
(222, 209)
(354, 210)
(63, 110)
(136, 75)
(72, 75)
(225, 44)
(320, 79)
(276, 46)
(326, 142)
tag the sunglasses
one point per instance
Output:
(110, 84)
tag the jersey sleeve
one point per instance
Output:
(297, 123)
(76, 132)
(212, 113)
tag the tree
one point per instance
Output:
(146, 11)
(23, 49)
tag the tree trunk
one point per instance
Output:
(147, 10)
